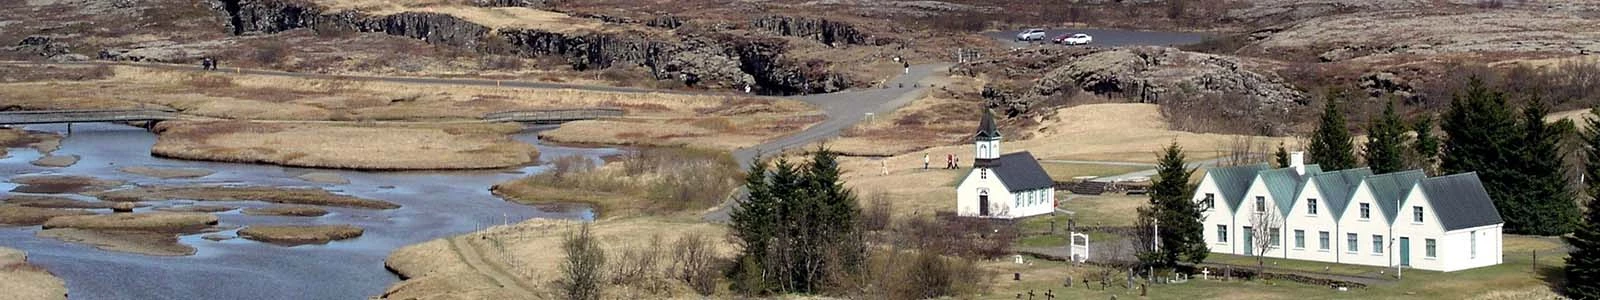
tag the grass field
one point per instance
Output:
(1517, 278)
(1069, 171)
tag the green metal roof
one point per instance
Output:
(1285, 184)
(1337, 187)
(1232, 182)
(1389, 189)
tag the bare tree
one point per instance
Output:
(637, 264)
(695, 263)
(1266, 228)
(582, 269)
(879, 209)
(1245, 150)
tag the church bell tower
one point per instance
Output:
(987, 142)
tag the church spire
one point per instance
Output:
(987, 142)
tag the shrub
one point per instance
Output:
(581, 272)
(879, 210)
(637, 264)
(271, 53)
(695, 263)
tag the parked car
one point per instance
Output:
(1035, 34)
(1074, 39)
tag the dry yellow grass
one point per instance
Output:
(52, 202)
(14, 138)
(371, 147)
(943, 116)
(140, 242)
(151, 222)
(492, 17)
(527, 254)
(722, 133)
(281, 195)
(21, 280)
(56, 161)
(287, 210)
(61, 184)
(11, 214)
(294, 235)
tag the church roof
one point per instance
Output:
(1389, 189)
(986, 128)
(1233, 181)
(1338, 186)
(1020, 172)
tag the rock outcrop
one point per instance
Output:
(712, 60)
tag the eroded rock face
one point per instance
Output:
(711, 60)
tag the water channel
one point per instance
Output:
(435, 204)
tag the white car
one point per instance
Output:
(1075, 39)
(1031, 35)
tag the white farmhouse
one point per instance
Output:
(1003, 186)
(1445, 223)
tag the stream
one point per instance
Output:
(435, 204)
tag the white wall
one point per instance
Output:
(1220, 214)
(1405, 225)
(1000, 199)
(1032, 202)
(1247, 210)
(1456, 248)
(1323, 221)
(1351, 222)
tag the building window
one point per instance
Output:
(1433, 248)
(1366, 211)
(1261, 204)
(983, 173)
(1222, 233)
(1416, 214)
(1275, 232)
(1350, 242)
(1210, 201)
(1299, 239)
(1322, 240)
(1377, 244)
(1311, 206)
(1474, 244)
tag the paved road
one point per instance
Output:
(844, 109)
(1106, 37)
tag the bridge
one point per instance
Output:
(553, 116)
(85, 116)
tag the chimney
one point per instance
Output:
(1297, 160)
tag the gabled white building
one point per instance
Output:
(1353, 216)
(1006, 186)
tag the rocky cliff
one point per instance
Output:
(821, 30)
(712, 60)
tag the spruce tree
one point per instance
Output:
(1385, 142)
(1583, 262)
(1551, 209)
(1331, 142)
(1425, 149)
(1481, 135)
(752, 224)
(1180, 234)
(1282, 156)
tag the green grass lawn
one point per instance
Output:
(1516, 278)
(1292, 264)
(1066, 171)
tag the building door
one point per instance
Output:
(983, 203)
(1405, 251)
(1249, 241)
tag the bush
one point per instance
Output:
(271, 53)
(879, 210)
(637, 264)
(581, 272)
(695, 263)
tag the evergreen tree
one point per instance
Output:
(1282, 156)
(1385, 142)
(1583, 263)
(752, 226)
(1552, 210)
(1331, 143)
(1175, 214)
(1425, 149)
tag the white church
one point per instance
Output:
(1006, 186)
(1400, 219)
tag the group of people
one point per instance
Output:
(208, 64)
(951, 161)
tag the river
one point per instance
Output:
(435, 204)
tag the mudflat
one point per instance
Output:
(153, 222)
(167, 173)
(347, 146)
(287, 211)
(42, 201)
(140, 242)
(61, 184)
(283, 195)
(11, 214)
(295, 235)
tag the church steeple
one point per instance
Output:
(987, 141)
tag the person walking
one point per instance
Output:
(907, 65)
(884, 163)
(949, 161)
(924, 161)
